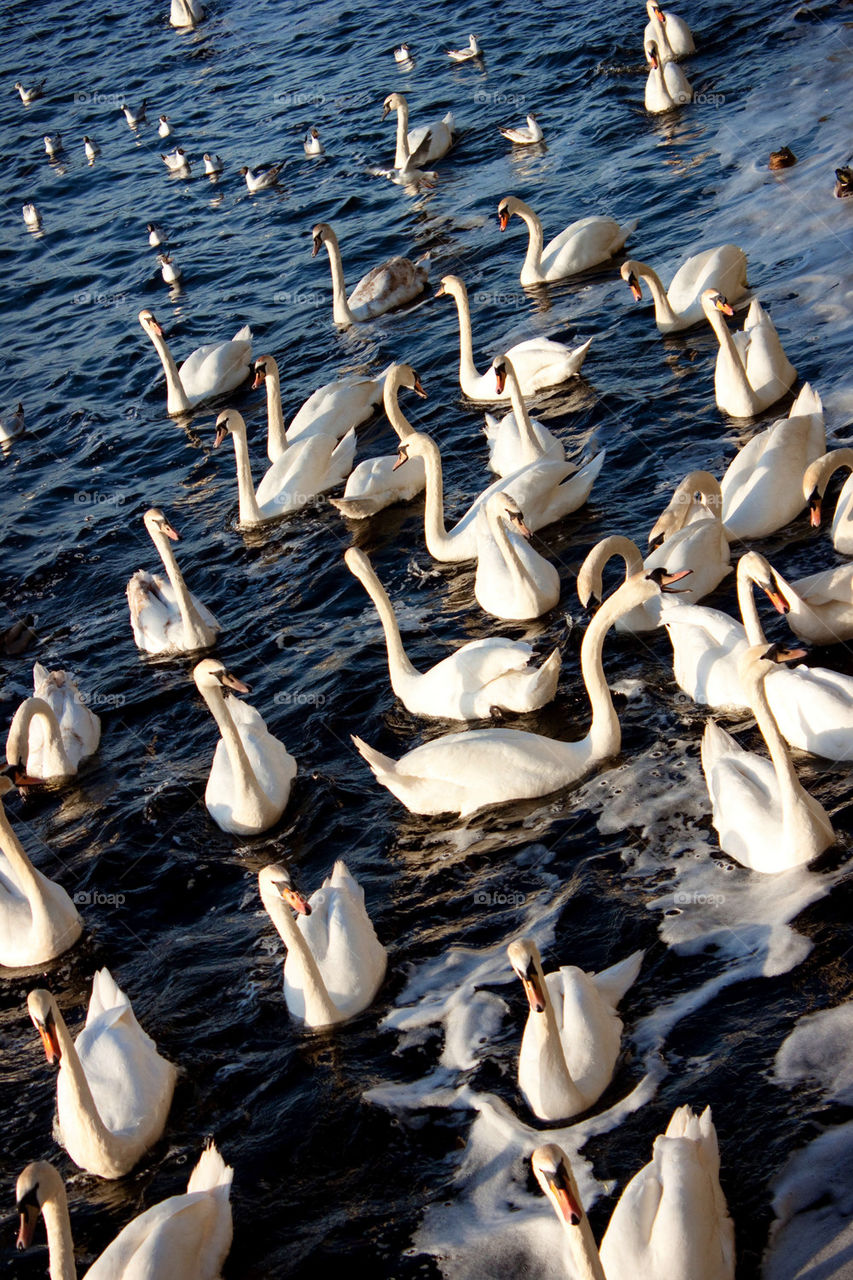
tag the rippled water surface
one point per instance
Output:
(426, 1175)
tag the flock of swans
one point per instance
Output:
(113, 1089)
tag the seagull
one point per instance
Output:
(523, 135)
(465, 55)
(139, 118)
(404, 53)
(29, 95)
(177, 162)
(212, 164)
(53, 144)
(313, 145)
(262, 177)
(13, 426)
(171, 271)
(92, 148)
(156, 237)
(32, 217)
(164, 128)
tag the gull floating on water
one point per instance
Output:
(164, 128)
(32, 217)
(404, 53)
(176, 162)
(524, 135)
(156, 235)
(466, 55)
(171, 271)
(262, 176)
(53, 144)
(29, 95)
(91, 148)
(212, 164)
(313, 145)
(139, 118)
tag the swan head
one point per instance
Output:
(228, 420)
(628, 272)
(663, 580)
(758, 661)
(554, 1175)
(504, 371)
(752, 567)
(275, 882)
(37, 1184)
(652, 57)
(321, 234)
(394, 102)
(712, 300)
(502, 506)
(782, 159)
(843, 182)
(210, 673)
(149, 323)
(264, 367)
(453, 286)
(654, 11)
(155, 521)
(403, 375)
(527, 965)
(416, 445)
(506, 208)
(42, 1006)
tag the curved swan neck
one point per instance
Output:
(82, 1093)
(401, 156)
(664, 314)
(24, 871)
(467, 370)
(399, 666)
(319, 1007)
(17, 743)
(519, 408)
(241, 768)
(605, 734)
(391, 403)
(791, 789)
(729, 353)
(192, 624)
(276, 437)
(435, 530)
(249, 510)
(340, 307)
(552, 1043)
(176, 397)
(506, 546)
(54, 1208)
(749, 609)
(536, 241)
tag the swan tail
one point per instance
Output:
(357, 508)
(243, 335)
(715, 743)
(627, 229)
(808, 401)
(341, 878)
(449, 121)
(578, 356)
(545, 685)
(210, 1172)
(106, 994)
(491, 427)
(380, 764)
(612, 983)
(699, 1129)
(40, 674)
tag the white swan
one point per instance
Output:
(466, 55)
(312, 145)
(670, 33)
(764, 817)
(252, 772)
(815, 479)
(667, 87)
(464, 772)
(513, 581)
(331, 410)
(752, 370)
(573, 1033)
(186, 13)
(376, 483)
(113, 1091)
(209, 371)
(263, 177)
(678, 307)
(186, 1237)
(516, 439)
(671, 1221)
(545, 491)
(390, 285)
(523, 135)
(308, 467)
(419, 147)
(38, 920)
(580, 245)
(539, 363)
(165, 616)
(335, 962)
(819, 608)
(52, 732)
(470, 683)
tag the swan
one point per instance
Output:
(308, 467)
(390, 285)
(186, 1237)
(466, 55)
(523, 135)
(177, 163)
(416, 148)
(784, 158)
(209, 371)
(113, 1090)
(170, 270)
(252, 772)
(573, 1033)
(463, 772)
(580, 245)
(30, 95)
(135, 118)
(545, 491)
(335, 962)
(213, 165)
(91, 148)
(470, 682)
(671, 1221)
(765, 819)
(262, 178)
(186, 13)
(819, 608)
(312, 145)
(38, 920)
(539, 363)
(164, 129)
(815, 479)
(54, 731)
(513, 581)
(752, 370)
(722, 268)
(670, 33)
(331, 410)
(165, 616)
(376, 483)
(14, 426)
(32, 217)
(516, 440)
(667, 87)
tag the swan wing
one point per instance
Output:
(722, 268)
(37, 924)
(187, 1236)
(541, 362)
(339, 931)
(813, 708)
(677, 85)
(828, 587)
(706, 645)
(389, 285)
(590, 1031)
(217, 367)
(332, 409)
(79, 727)
(584, 244)
(272, 764)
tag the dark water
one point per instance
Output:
(323, 1176)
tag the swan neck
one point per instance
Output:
(551, 1046)
(193, 630)
(467, 370)
(18, 744)
(276, 437)
(84, 1102)
(435, 530)
(401, 156)
(729, 356)
(506, 546)
(176, 397)
(319, 1007)
(605, 734)
(749, 610)
(522, 416)
(54, 1208)
(399, 666)
(340, 306)
(245, 782)
(664, 314)
(789, 784)
(249, 510)
(23, 869)
(533, 258)
(583, 1251)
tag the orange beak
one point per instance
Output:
(780, 604)
(634, 286)
(27, 1228)
(402, 458)
(52, 1050)
(418, 389)
(259, 378)
(567, 1205)
(533, 991)
(500, 380)
(503, 219)
(815, 513)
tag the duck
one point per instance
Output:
(764, 817)
(419, 147)
(30, 95)
(667, 87)
(164, 129)
(169, 269)
(573, 1033)
(513, 581)
(166, 618)
(213, 165)
(32, 217)
(539, 363)
(404, 52)
(135, 118)
(156, 235)
(752, 370)
(478, 768)
(782, 159)
(474, 50)
(53, 144)
(113, 1090)
(818, 608)
(262, 177)
(177, 163)
(38, 920)
(390, 285)
(13, 426)
(186, 1237)
(671, 1221)
(670, 33)
(335, 963)
(470, 683)
(91, 148)
(816, 477)
(312, 144)
(581, 245)
(252, 772)
(376, 483)
(331, 410)
(52, 732)
(722, 268)
(843, 183)
(523, 135)
(308, 467)
(516, 439)
(209, 371)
